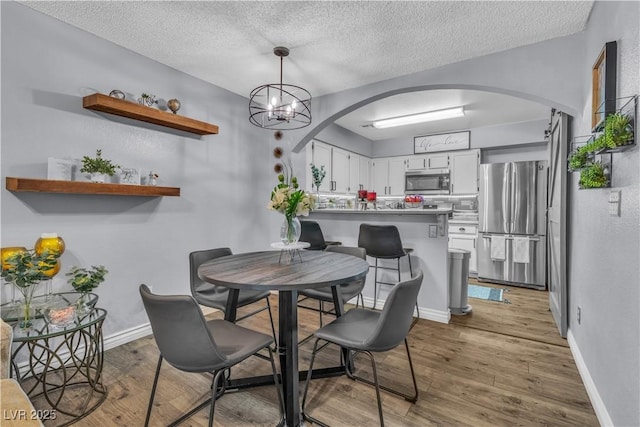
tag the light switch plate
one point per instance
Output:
(433, 231)
(614, 196)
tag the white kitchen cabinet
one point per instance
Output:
(345, 171)
(465, 236)
(364, 173)
(388, 175)
(428, 161)
(464, 171)
(321, 156)
(339, 170)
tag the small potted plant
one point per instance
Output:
(84, 281)
(26, 269)
(318, 176)
(593, 176)
(618, 130)
(98, 167)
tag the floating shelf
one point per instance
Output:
(79, 187)
(119, 107)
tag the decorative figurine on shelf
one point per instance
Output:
(84, 281)
(147, 99)
(153, 179)
(98, 167)
(117, 94)
(173, 105)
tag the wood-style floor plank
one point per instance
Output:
(500, 366)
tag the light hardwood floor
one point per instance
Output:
(500, 366)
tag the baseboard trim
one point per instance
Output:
(127, 336)
(596, 401)
(425, 313)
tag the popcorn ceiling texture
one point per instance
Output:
(334, 45)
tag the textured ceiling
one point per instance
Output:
(335, 45)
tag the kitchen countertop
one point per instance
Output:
(410, 211)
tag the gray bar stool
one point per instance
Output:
(384, 242)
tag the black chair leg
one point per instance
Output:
(273, 328)
(377, 385)
(375, 285)
(153, 391)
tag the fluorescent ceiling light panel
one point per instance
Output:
(428, 116)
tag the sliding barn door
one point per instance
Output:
(557, 219)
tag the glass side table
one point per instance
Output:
(63, 365)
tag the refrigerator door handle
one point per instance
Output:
(532, 239)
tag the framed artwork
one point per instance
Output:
(130, 176)
(442, 142)
(60, 169)
(603, 86)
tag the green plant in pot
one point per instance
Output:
(98, 167)
(618, 130)
(593, 176)
(26, 270)
(84, 280)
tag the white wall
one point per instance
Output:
(604, 273)
(47, 67)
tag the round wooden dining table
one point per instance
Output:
(262, 270)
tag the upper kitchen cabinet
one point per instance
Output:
(339, 170)
(364, 173)
(321, 156)
(428, 161)
(388, 175)
(464, 171)
(345, 171)
(358, 173)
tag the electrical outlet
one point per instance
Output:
(579, 315)
(433, 231)
(614, 208)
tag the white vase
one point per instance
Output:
(98, 177)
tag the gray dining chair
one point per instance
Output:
(191, 343)
(384, 242)
(349, 290)
(367, 331)
(311, 233)
(214, 296)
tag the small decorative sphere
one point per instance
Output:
(277, 168)
(281, 178)
(117, 94)
(277, 152)
(277, 135)
(173, 105)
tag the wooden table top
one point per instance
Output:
(261, 270)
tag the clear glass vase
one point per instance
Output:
(83, 307)
(27, 310)
(290, 230)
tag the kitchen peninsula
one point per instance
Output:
(429, 253)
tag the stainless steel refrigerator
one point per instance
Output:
(512, 208)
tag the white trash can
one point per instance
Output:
(458, 281)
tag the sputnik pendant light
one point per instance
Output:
(280, 106)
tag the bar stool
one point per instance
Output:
(383, 242)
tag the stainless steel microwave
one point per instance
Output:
(434, 181)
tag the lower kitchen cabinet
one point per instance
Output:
(465, 236)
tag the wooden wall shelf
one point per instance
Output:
(119, 107)
(79, 187)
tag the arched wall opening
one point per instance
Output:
(324, 104)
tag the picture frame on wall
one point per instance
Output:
(442, 142)
(603, 86)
